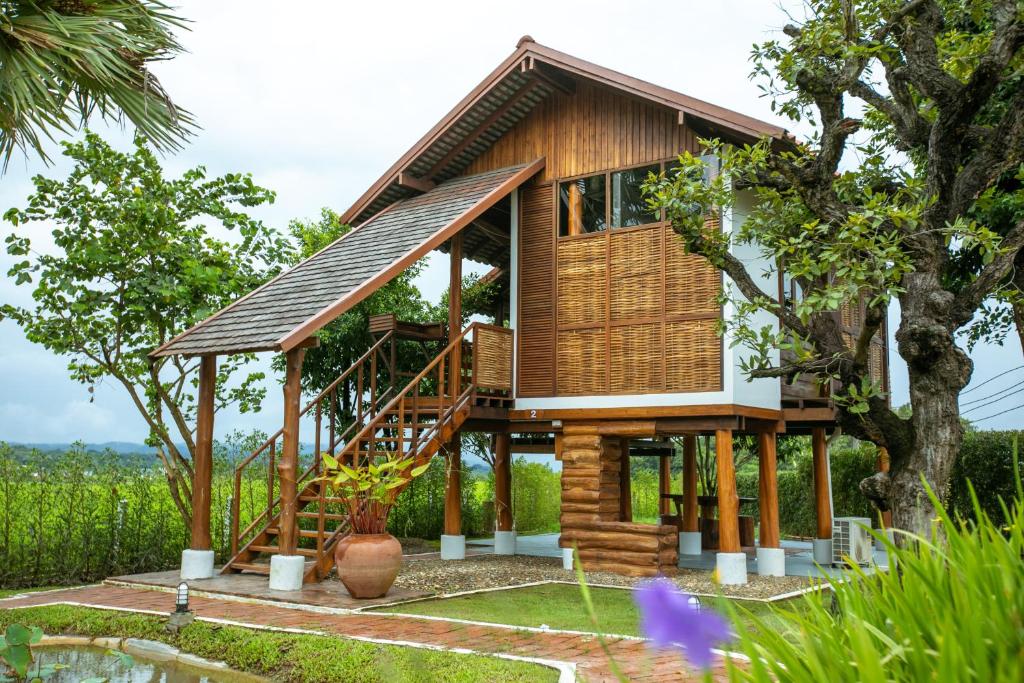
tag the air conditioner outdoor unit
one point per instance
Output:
(851, 541)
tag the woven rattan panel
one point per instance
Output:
(582, 280)
(693, 356)
(582, 362)
(691, 283)
(536, 293)
(636, 274)
(636, 359)
(493, 359)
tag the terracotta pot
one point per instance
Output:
(368, 563)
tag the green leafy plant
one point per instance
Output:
(16, 650)
(370, 489)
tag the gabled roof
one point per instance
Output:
(506, 96)
(286, 311)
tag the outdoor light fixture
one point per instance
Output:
(694, 602)
(181, 601)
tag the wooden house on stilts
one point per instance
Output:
(610, 345)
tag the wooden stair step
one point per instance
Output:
(303, 533)
(273, 550)
(252, 567)
(330, 516)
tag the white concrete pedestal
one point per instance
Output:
(286, 572)
(822, 551)
(453, 547)
(567, 559)
(196, 564)
(504, 542)
(732, 568)
(771, 562)
(689, 543)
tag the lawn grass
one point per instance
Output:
(283, 656)
(560, 606)
(8, 592)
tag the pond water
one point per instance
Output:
(87, 662)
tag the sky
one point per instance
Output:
(317, 102)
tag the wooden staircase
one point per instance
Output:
(416, 421)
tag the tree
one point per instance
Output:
(935, 135)
(134, 265)
(63, 60)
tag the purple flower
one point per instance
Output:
(668, 619)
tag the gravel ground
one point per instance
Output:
(494, 571)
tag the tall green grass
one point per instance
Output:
(951, 609)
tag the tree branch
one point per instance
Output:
(970, 297)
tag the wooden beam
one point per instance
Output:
(288, 465)
(550, 77)
(481, 129)
(768, 490)
(203, 463)
(664, 484)
(492, 231)
(503, 481)
(822, 504)
(625, 484)
(411, 182)
(728, 500)
(690, 483)
(453, 489)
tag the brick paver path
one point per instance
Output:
(634, 658)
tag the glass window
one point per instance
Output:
(628, 205)
(581, 205)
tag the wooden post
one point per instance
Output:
(452, 489)
(728, 501)
(883, 466)
(664, 484)
(822, 505)
(288, 465)
(690, 482)
(625, 484)
(503, 481)
(203, 463)
(455, 311)
(768, 487)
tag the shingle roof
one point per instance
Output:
(290, 308)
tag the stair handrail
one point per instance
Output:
(271, 441)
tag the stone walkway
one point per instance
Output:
(636, 661)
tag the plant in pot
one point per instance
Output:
(368, 559)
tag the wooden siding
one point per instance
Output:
(536, 338)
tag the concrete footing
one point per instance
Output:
(286, 572)
(196, 564)
(689, 543)
(732, 568)
(822, 551)
(771, 562)
(504, 542)
(567, 559)
(453, 547)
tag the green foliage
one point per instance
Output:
(536, 497)
(370, 487)
(136, 264)
(64, 61)
(951, 610)
(16, 650)
(284, 656)
(986, 460)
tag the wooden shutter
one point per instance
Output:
(536, 292)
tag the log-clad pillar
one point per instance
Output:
(288, 465)
(822, 501)
(771, 560)
(197, 559)
(453, 543)
(287, 567)
(503, 481)
(203, 463)
(731, 561)
(664, 484)
(625, 484)
(883, 466)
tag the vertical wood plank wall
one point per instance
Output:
(619, 312)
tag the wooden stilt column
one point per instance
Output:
(728, 500)
(453, 489)
(664, 484)
(203, 463)
(690, 483)
(455, 310)
(288, 465)
(883, 466)
(625, 484)
(822, 504)
(503, 481)
(768, 491)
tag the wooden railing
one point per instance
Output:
(368, 396)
